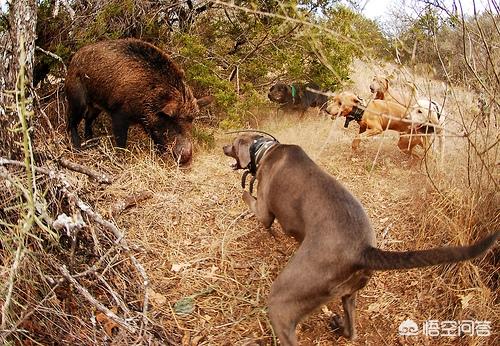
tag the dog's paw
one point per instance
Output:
(355, 144)
(337, 324)
(272, 232)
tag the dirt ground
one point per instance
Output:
(211, 264)
(197, 240)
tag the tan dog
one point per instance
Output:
(422, 111)
(378, 116)
(380, 87)
(337, 255)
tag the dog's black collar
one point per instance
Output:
(258, 149)
(356, 114)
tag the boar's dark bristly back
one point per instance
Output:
(155, 60)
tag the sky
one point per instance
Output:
(377, 9)
(380, 9)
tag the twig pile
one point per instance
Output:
(81, 266)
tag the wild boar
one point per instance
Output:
(135, 83)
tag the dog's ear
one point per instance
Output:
(243, 151)
(356, 99)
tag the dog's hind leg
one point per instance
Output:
(441, 138)
(346, 326)
(297, 291)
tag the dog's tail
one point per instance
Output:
(376, 259)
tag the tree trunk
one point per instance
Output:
(19, 37)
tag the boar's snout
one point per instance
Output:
(183, 150)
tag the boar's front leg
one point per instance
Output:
(120, 125)
(90, 116)
(77, 109)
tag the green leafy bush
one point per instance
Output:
(232, 54)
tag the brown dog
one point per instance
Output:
(378, 116)
(337, 254)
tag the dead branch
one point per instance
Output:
(66, 5)
(83, 291)
(13, 271)
(4, 161)
(53, 55)
(118, 234)
(44, 115)
(115, 295)
(99, 177)
(6, 334)
(120, 206)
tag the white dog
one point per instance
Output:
(432, 117)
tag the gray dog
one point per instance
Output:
(337, 255)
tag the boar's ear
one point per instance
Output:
(205, 101)
(243, 151)
(170, 108)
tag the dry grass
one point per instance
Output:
(196, 239)
(196, 236)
